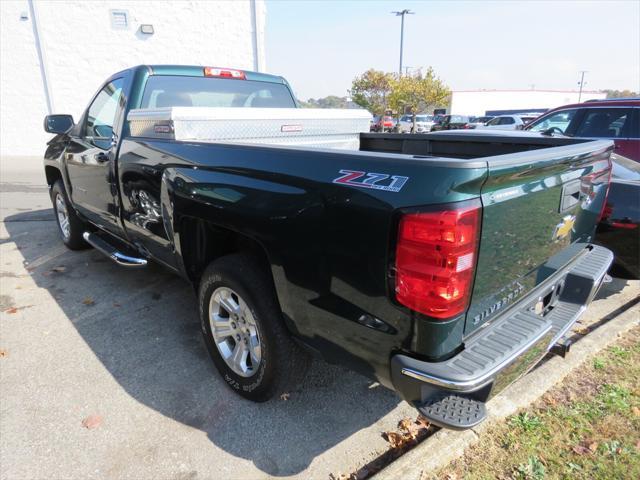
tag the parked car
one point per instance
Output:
(452, 122)
(423, 123)
(613, 119)
(619, 227)
(527, 119)
(382, 123)
(503, 122)
(443, 275)
(476, 121)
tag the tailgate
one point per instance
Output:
(538, 206)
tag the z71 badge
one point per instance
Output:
(376, 181)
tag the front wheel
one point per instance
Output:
(69, 224)
(244, 331)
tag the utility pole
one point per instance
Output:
(581, 83)
(402, 14)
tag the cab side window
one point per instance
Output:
(102, 113)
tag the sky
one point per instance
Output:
(320, 46)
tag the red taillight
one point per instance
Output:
(224, 72)
(435, 259)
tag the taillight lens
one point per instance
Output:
(436, 256)
(224, 73)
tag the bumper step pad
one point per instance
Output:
(454, 411)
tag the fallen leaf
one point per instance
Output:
(59, 269)
(285, 396)
(593, 446)
(405, 424)
(422, 421)
(635, 411)
(340, 476)
(638, 445)
(92, 421)
(580, 450)
(3, 353)
(88, 301)
(11, 310)
(582, 330)
(395, 439)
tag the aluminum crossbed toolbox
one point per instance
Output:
(309, 128)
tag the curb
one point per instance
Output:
(450, 444)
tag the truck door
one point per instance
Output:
(91, 155)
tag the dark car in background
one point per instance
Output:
(612, 119)
(619, 227)
(452, 122)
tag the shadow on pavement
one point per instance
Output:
(143, 327)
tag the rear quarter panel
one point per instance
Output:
(327, 243)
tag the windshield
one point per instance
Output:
(424, 118)
(558, 121)
(180, 91)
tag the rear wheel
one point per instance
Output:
(70, 226)
(244, 331)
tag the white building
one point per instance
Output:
(55, 54)
(496, 102)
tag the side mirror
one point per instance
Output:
(58, 123)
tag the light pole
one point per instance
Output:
(402, 14)
(581, 83)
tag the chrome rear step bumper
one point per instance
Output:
(510, 346)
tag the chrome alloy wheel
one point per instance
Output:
(63, 216)
(235, 332)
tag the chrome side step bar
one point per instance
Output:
(103, 246)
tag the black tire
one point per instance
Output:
(76, 227)
(283, 362)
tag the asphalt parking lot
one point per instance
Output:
(82, 338)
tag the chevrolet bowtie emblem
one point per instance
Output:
(564, 228)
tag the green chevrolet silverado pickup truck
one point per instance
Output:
(442, 265)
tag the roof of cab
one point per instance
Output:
(198, 71)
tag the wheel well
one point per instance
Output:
(52, 174)
(202, 242)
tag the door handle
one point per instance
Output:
(101, 157)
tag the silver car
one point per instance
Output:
(423, 123)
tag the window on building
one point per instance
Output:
(119, 19)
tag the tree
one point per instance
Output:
(417, 92)
(371, 90)
(620, 93)
(331, 101)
